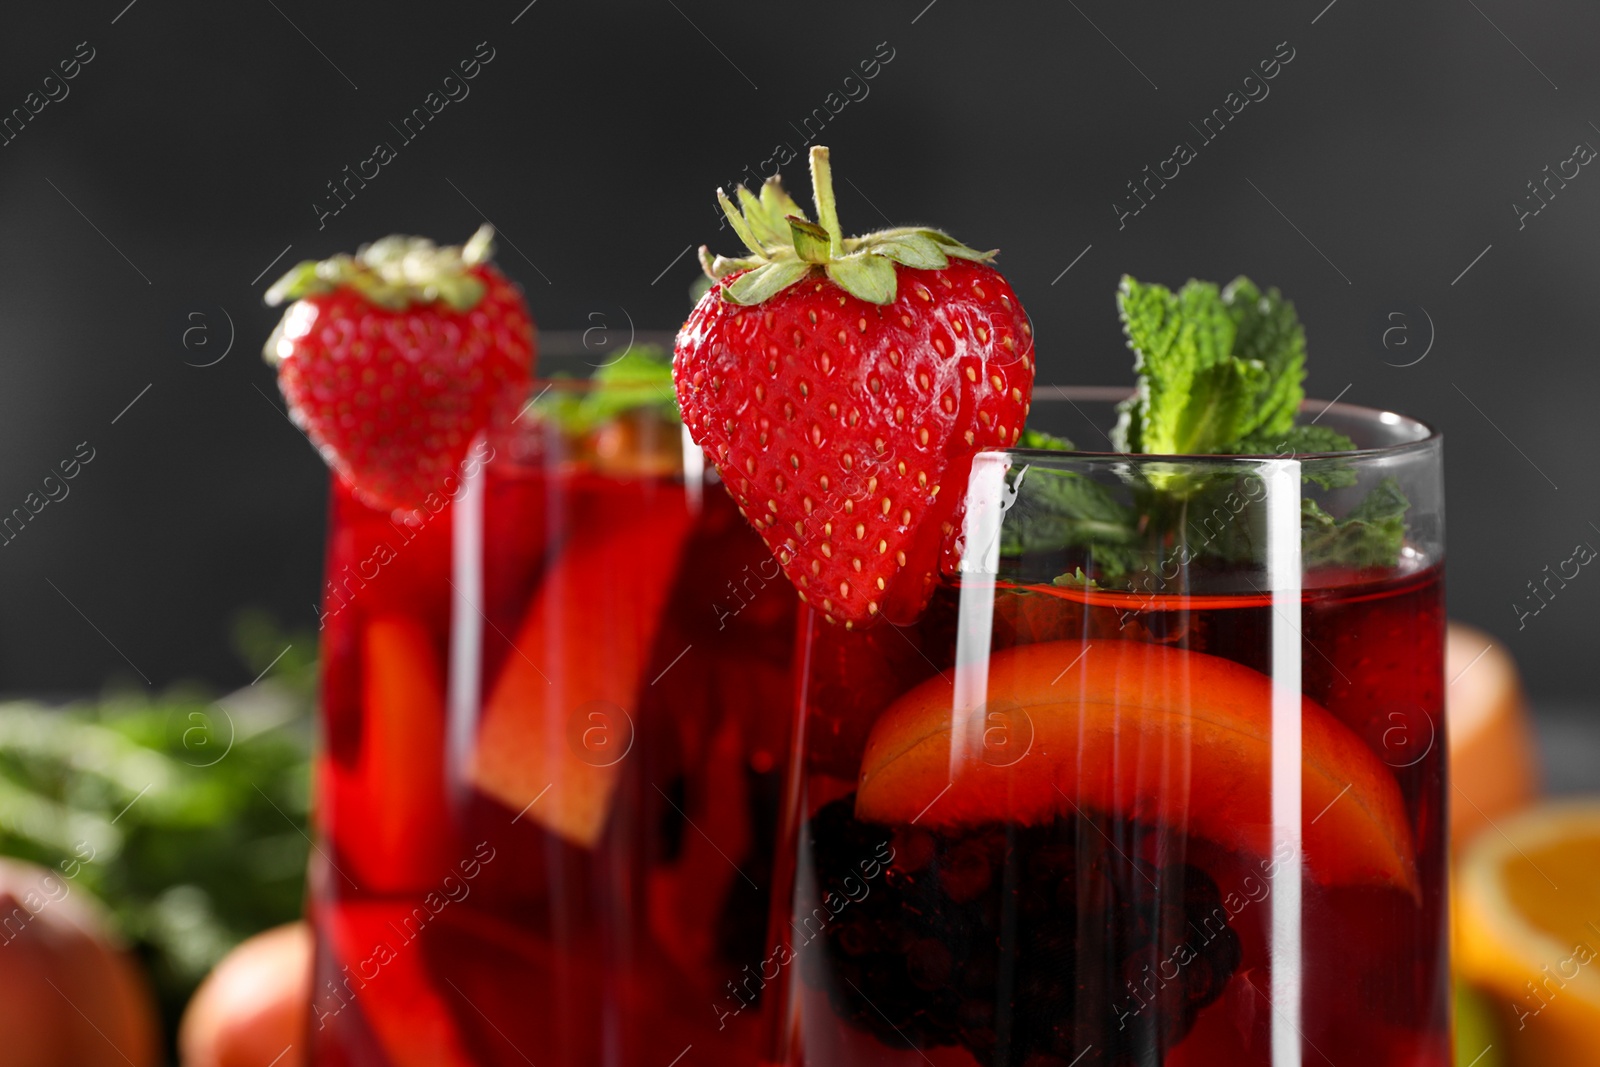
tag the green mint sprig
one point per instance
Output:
(640, 379)
(1370, 535)
(1057, 510)
(1221, 372)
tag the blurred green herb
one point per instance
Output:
(1045, 442)
(186, 816)
(1077, 579)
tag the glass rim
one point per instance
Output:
(539, 385)
(1425, 437)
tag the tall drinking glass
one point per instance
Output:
(1157, 778)
(552, 743)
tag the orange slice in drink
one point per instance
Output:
(1141, 732)
(558, 722)
(381, 975)
(393, 821)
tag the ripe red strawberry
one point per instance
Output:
(392, 360)
(839, 385)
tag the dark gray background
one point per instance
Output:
(191, 149)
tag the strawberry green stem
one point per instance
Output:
(479, 247)
(785, 247)
(822, 196)
(395, 272)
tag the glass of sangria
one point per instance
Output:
(1156, 778)
(554, 726)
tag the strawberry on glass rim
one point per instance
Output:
(838, 383)
(394, 359)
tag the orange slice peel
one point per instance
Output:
(1137, 732)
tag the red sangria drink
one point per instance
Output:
(1125, 752)
(555, 674)
(550, 774)
(1198, 819)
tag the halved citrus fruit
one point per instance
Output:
(1140, 732)
(1479, 1042)
(1528, 929)
(1492, 757)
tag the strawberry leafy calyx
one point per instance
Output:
(395, 273)
(785, 246)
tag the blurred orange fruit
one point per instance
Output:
(70, 996)
(252, 1009)
(1528, 930)
(1493, 762)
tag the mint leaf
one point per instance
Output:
(1047, 442)
(1216, 367)
(1219, 405)
(1221, 371)
(1057, 510)
(1268, 332)
(1178, 341)
(1295, 441)
(640, 378)
(1300, 440)
(1371, 535)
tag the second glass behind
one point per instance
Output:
(555, 708)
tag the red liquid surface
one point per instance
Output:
(460, 922)
(991, 933)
